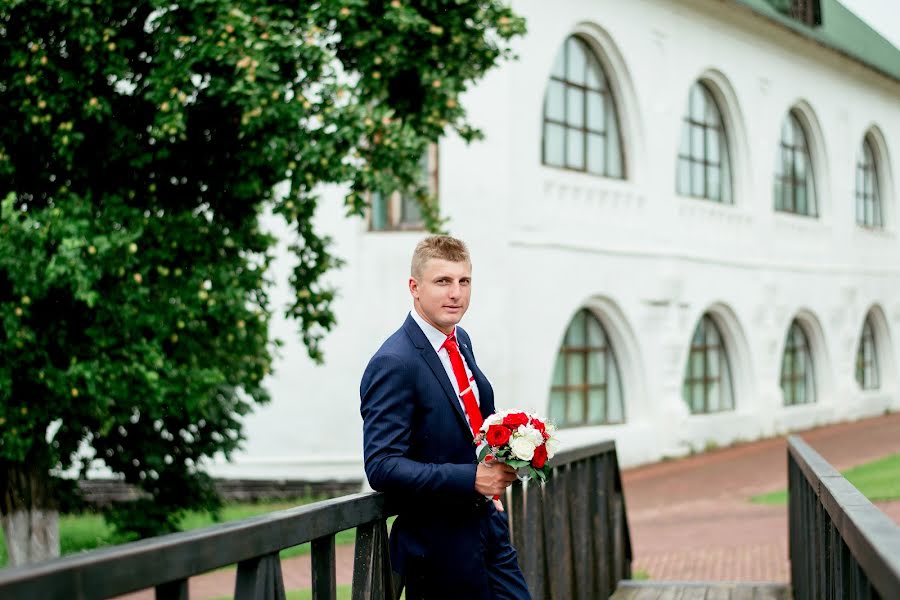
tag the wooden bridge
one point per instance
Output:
(578, 545)
(689, 590)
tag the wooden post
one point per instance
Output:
(260, 579)
(324, 584)
(173, 590)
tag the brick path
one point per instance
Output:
(296, 572)
(689, 518)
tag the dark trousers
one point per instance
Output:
(496, 575)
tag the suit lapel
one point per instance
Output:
(437, 368)
(434, 363)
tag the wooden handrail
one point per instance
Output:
(579, 514)
(170, 559)
(841, 545)
(572, 533)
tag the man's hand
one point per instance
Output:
(492, 479)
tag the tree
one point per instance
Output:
(141, 141)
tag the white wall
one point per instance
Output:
(546, 242)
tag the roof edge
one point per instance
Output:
(803, 31)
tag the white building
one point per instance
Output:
(702, 189)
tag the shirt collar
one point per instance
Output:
(435, 336)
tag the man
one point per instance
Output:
(423, 397)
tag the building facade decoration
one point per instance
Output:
(603, 293)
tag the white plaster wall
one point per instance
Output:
(546, 242)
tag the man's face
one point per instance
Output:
(441, 294)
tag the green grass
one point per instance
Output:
(343, 593)
(82, 532)
(877, 480)
(640, 575)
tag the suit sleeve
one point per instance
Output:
(387, 400)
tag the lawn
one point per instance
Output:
(877, 480)
(343, 593)
(78, 533)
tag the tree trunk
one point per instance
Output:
(28, 513)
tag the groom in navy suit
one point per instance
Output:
(423, 397)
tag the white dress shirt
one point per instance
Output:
(436, 338)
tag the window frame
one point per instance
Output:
(607, 355)
(792, 149)
(706, 379)
(808, 376)
(397, 202)
(611, 132)
(690, 124)
(868, 341)
(869, 207)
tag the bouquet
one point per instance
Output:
(519, 439)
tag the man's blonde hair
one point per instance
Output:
(438, 246)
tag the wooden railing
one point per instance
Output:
(166, 562)
(572, 537)
(841, 545)
(571, 534)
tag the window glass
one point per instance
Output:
(793, 190)
(702, 150)
(400, 210)
(868, 197)
(867, 375)
(586, 388)
(581, 127)
(797, 374)
(707, 375)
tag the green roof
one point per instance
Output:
(841, 31)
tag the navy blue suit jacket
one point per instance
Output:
(418, 449)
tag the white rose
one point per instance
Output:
(522, 448)
(552, 445)
(529, 432)
(494, 419)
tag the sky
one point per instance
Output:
(881, 15)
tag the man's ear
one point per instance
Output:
(413, 287)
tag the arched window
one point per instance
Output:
(794, 187)
(581, 127)
(707, 375)
(797, 373)
(868, 195)
(704, 170)
(586, 388)
(867, 358)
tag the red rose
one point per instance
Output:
(540, 456)
(497, 435)
(539, 425)
(515, 419)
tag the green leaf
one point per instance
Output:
(141, 144)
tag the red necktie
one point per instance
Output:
(466, 393)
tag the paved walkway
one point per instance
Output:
(690, 519)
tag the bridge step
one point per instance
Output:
(700, 590)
